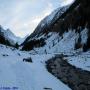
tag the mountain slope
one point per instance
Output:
(70, 31)
(47, 21)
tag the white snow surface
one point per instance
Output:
(84, 34)
(80, 60)
(16, 73)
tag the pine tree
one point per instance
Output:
(16, 45)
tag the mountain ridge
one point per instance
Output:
(75, 19)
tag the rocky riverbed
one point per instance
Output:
(75, 78)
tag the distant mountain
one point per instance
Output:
(66, 29)
(8, 38)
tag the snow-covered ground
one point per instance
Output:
(20, 75)
(15, 74)
(80, 60)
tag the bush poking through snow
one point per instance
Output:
(47, 88)
(5, 55)
(16, 45)
(27, 59)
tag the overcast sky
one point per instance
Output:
(22, 16)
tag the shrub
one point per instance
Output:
(34, 43)
(16, 45)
